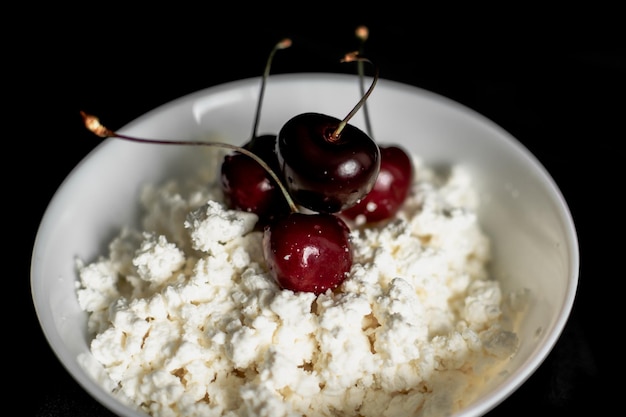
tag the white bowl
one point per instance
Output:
(522, 210)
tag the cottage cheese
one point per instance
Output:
(186, 320)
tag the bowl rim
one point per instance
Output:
(489, 401)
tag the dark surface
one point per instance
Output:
(558, 89)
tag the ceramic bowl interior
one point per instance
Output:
(522, 209)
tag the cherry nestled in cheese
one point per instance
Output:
(308, 252)
(390, 190)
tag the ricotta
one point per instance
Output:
(186, 320)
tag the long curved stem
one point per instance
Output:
(351, 57)
(285, 43)
(93, 124)
(362, 33)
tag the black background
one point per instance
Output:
(555, 82)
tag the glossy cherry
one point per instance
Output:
(390, 190)
(308, 252)
(247, 186)
(326, 164)
(322, 173)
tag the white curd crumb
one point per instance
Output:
(157, 259)
(212, 226)
(186, 321)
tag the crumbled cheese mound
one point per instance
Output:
(186, 320)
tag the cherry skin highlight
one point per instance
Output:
(390, 190)
(308, 252)
(322, 171)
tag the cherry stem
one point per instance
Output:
(362, 33)
(93, 124)
(351, 57)
(283, 44)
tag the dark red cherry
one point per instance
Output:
(326, 164)
(308, 252)
(265, 147)
(324, 172)
(390, 190)
(247, 186)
